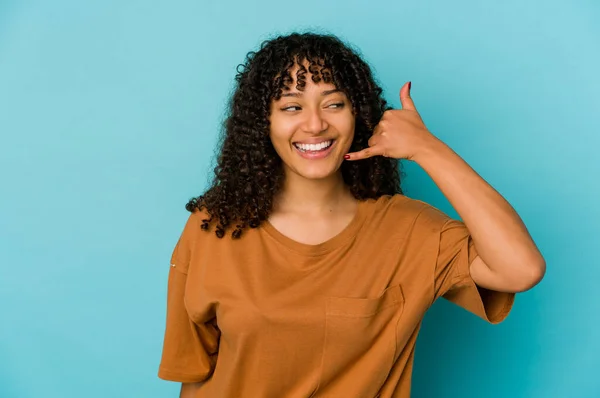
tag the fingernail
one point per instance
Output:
(346, 156)
(409, 84)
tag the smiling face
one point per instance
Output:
(312, 130)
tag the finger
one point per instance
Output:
(365, 153)
(378, 129)
(376, 135)
(374, 140)
(405, 99)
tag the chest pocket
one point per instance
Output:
(360, 343)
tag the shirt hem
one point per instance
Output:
(169, 375)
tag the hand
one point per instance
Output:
(400, 134)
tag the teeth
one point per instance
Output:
(314, 147)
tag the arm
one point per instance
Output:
(508, 258)
(188, 390)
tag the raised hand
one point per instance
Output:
(400, 134)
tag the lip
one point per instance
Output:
(318, 155)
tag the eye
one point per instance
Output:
(337, 105)
(292, 108)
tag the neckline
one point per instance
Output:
(347, 233)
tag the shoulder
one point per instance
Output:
(399, 207)
(399, 204)
(191, 238)
(192, 228)
(195, 220)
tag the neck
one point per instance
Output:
(313, 196)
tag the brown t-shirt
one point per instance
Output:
(267, 316)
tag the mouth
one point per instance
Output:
(314, 151)
(321, 146)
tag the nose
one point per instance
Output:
(315, 123)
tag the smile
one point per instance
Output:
(322, 146)
(314, 151)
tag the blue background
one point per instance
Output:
(109, 112)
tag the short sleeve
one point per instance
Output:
(189, 350)
(452, 277)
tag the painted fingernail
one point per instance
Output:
(409, 84)
(346, 156)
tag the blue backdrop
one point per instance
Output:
(108, 118)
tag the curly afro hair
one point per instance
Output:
(249, 172)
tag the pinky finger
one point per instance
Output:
(363, 154)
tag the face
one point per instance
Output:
(312, 129)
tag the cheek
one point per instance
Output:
(346, 122)
(347, 129)
(349, 136)
(276, 131)
(282, 129)
(281, 134)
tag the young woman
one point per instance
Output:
(303, 271)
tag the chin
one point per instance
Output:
(320, 173)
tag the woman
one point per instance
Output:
(304, 271)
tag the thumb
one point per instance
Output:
(405, 100)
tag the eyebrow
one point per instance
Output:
(324, 93)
